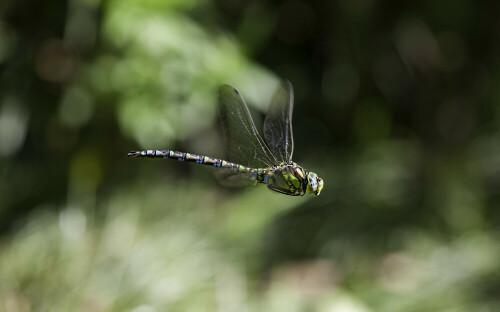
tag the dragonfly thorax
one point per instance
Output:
(292, 179)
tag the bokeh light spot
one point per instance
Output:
(13, 126)
(54, 61)
(72, 222)
(76, 107)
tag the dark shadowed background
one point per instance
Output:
(396, 109)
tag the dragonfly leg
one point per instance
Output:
(281, 190)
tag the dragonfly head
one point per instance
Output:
(314, 184)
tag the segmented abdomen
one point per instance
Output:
(261, 175)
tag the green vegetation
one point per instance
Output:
(396, 108)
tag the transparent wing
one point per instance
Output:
(245, 145)
(229, 178)
(278, 123)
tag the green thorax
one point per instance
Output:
(290, 179)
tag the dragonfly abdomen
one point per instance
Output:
(180, 156)
(258, 174)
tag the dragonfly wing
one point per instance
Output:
(278, 123)
(229, 178)
(245, 145)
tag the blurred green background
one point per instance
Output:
(396, 109)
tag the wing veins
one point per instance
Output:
(240, 129)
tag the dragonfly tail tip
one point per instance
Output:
(133, 154)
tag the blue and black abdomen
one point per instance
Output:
(180, 156)
(256, 174)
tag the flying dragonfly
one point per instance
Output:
(252, 158)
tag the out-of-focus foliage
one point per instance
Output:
(396, 109)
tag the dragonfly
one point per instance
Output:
(260, 161)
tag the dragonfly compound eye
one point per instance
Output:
(320, 186)
(312, 185)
